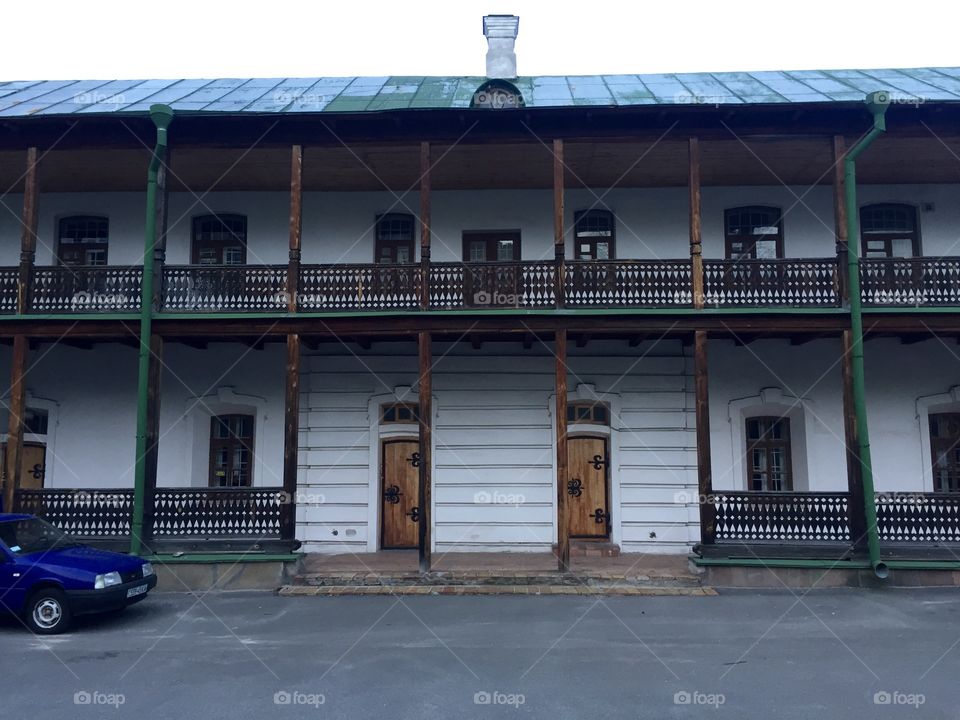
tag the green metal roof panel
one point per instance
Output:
(371, 94)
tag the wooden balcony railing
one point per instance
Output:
(771, 283)
(103, 288)
(8, 289)
(224, 288)
(493, 285)
(332, 288)
(915, 282)
(781, 517)
(87, 514)
(918, 517)
(628, 283)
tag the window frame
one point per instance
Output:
(785, 443)
(230, 443)
(220, 245)
(381, 242)
(582, 216)
(585, 412)
(491, 238)
(888, 236)
(412, 410)
(730, 238)
(103, 245)
(937, 443)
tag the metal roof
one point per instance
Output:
(369, 94)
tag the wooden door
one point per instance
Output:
(588, 512)
(400, 492)
(33, 465)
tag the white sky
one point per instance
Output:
(110, 39)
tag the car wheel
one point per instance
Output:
(48, 612)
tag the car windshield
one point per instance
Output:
(32, 535)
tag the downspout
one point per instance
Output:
(162, 116)
(877, 103)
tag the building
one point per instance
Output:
(485, 314)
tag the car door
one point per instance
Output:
(12, 590)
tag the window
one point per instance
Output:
(491, 246)
(945, 451)
(753, 232)
(593, 232)
(889, 230)
(35, 422)
(231, 451)
(219, 240)
(582, 412)
(83, 240)
(768, 454)
(394, 239)
(400, 413)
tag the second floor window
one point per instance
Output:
(219, 240)
(593, 233)
(83, 240)
(945, 451)
(768, 454)
(754, 232)
(889, 230)
(395, 238)
(491, 246)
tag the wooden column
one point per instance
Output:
(28, 239)
(840, 214)
(696, 246)
(708, 510)
(160, 244)
(425, 225)
(17, 406)
(426, 436)
(296, 227)
(291, 438)
(563, 531)
(152, 457)
(856, 510)
(559, 244)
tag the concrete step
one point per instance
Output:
(599, 579)
(625, 590)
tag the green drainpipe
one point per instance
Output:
(162, 116)
(877, 103)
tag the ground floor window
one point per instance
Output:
(945, 451)
(231, 451)
(768, 454)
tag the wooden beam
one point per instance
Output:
(28, 237)
(425, 389)
(704, 466)
(840, 213)
(425, 225)
(851, 439)
(563, 531)
(696, 243)
(152, 457)
(559, 241)
(296, 227)
(16, 409)
(160, 241)
(291, 438)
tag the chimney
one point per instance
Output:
(501, 32)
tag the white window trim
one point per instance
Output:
(925, 406)
(52, 408)
(770, 401)
(196, 453)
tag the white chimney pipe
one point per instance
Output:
(501, 33)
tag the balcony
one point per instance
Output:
(666, 284)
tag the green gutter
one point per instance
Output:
(162, 116)
(877, 103)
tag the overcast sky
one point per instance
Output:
(111, 39)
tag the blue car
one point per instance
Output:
(48, 578)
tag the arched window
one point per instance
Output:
(594, 234)
(889, 230)
(753, 232)
(768, 454)
(219, 240)
(83, 240)
(394, 239)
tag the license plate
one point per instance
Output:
(138, 590)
